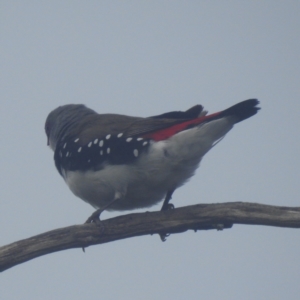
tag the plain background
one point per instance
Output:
(144, 58)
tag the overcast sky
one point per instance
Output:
(144, 58)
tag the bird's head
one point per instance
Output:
(62, 119)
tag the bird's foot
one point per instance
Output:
(95, 217)
(163, 236)
(167, 206)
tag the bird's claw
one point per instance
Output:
(166, 207)
(94, 217)
(169, 206)
(163, 236)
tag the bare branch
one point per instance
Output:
(195, 217)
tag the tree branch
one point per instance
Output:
(195, 217)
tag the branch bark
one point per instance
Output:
(195, 217)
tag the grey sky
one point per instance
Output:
(144, 58)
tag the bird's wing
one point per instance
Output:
(101, 125)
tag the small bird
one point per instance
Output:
(118, 162)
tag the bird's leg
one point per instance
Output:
(166, 205)
(95, 216)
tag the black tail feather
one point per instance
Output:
(242, 110)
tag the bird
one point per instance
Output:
(116, 162)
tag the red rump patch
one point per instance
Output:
(164, 134)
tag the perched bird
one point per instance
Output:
(118, 162)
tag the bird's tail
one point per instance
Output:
(241, 111)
